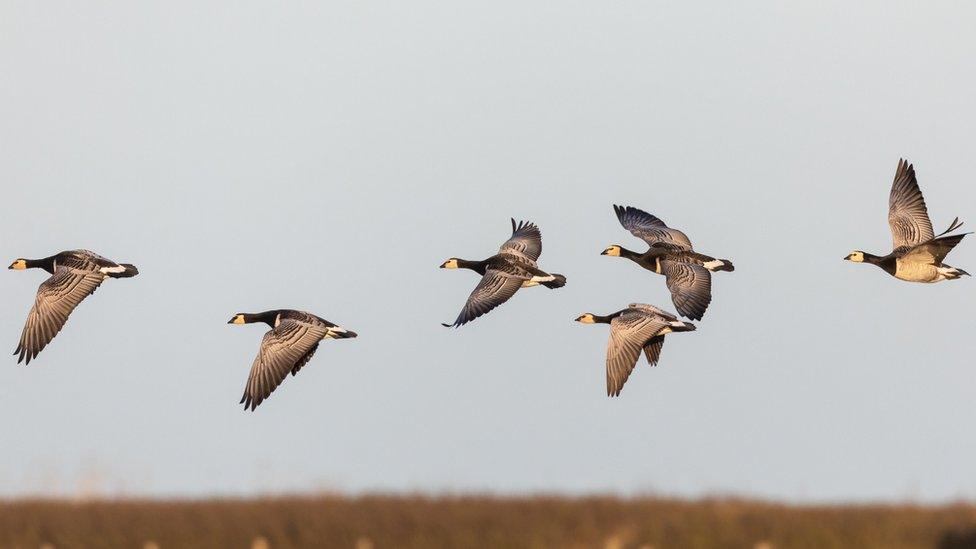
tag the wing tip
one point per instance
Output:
(905, 168)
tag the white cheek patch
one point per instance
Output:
(713, 264)
(106, 270)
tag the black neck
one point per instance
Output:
(629, 254)
(606, 319)
(887, 263)
(47, 263)
(872, 259)
(477, 266)
(268, 317)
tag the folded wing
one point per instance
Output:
(933, 252)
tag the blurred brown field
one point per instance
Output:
(372, 522)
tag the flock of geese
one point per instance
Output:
(917, 256)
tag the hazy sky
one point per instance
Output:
(328, 156)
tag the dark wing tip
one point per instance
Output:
(692, 311)
(905, 168)
(695, 316)
(447, 325)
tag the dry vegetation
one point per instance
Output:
(422, 522)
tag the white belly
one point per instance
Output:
(916, 272)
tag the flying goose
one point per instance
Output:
(287, 347)
(636, 328)
(918, 251)
(75, 275)
(513, 267)
(686, 272)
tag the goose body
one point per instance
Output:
(670, 253)
(513, 267)
(639, 327)
(286, 348)
(75, 275)
(918, 252)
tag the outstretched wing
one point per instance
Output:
(629, 333)
(653, 310)
(653, 349)
(907, 215)
(651, 229)
(495, 288)
(526, 241)
(284, 349)
(56, 298)
(690, 285)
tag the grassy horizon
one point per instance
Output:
(479, 521)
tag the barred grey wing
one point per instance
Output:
(495, 288)
(651, 229)
(690, 285)
(285, 348)
(908, 216)
(526, 241)
(56, 298)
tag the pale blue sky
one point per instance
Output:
(329, 156)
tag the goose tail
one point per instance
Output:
(719, 265)
(558, 281)
(128, 272)
(681, 326)
(952, 273)
(338, 332)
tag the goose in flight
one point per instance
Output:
(75, 275)
(289, 344)
(513, 267)
(918, 252)
(687, 273)
(639, 327)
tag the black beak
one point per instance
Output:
(848, 258)
(604, 252)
